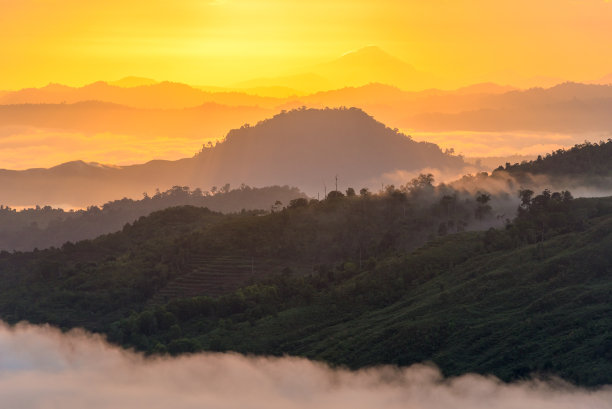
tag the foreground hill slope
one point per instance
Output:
(469, 302)
(306, 148)
(344, 284)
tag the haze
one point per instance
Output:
(43, 367)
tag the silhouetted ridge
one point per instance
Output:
(306, 148)
(587, 159)
(327, 130)
(310, 146)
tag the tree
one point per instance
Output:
(423, 181)
(483, 208)
(334, 195)
(276, 206)
(525, 195)
(299, 202)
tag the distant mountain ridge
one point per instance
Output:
(156, 95)
(132, 81)
(372, 64)
(577, 111)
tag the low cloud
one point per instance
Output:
(401, 177)
(485, 144)
(29, 147)
(40, 367)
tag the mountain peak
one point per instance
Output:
(367, 50)
(305, 146)
(371, 64)
(372, 54)
(133, 81)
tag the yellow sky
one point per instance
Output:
(224, 41)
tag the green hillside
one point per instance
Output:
(471, 302)
(352, 280)
(592, 159)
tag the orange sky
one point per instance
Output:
(218, 42)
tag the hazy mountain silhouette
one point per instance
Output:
(132, 81)
(605, 80)
(309, 147)
(162, 95)
(486, 106)
(372, 64)
(568, 107)
(306, 148)
(355, 68)
(274, 91)
(578, 111)
(485, 88)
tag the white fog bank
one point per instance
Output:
(42, 368)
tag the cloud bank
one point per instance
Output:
(40, 367)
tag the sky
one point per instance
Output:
(220, 42)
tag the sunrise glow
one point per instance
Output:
(223, 42)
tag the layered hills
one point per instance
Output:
(567, 107)
(348, 280)
(43, 227)
(307, 148)
(127, 125)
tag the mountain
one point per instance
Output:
(355, 68)
(158, 95)
(585, 169)
(310, 147)
(485, 88)
(274, 91)
(605, 80)
(129, 82)
(306, 148)
(472, 120)
(372, 64)
(568, 107)
(347, 281)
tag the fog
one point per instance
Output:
(41, 367)
(506, 143)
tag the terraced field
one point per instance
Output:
(209, 275)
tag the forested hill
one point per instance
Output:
(587, 159)
(585, 169)
(43, 227)
(129, 267)
(309, 279)
(309, 147)
(306, 148)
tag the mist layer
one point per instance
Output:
(41, 367)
